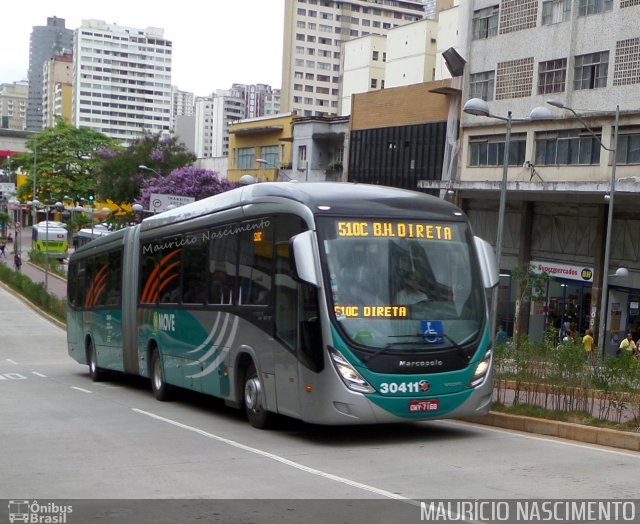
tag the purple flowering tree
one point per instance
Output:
(185, 181)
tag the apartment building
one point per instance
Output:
(314, 31)
(121, 80)
(585, 54)
(45, 43)
(259, 99)
(57, 75)
(182, 104)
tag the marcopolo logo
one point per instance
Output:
(38, 513)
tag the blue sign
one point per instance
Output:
(432, 331)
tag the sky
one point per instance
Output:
(215, 42)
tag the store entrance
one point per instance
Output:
(569, 306)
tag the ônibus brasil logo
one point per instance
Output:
(35, 512)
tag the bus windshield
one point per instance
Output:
(402, 285)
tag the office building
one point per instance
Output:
(122, 80)
(45, 43)
(13, 105)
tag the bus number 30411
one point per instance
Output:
(404, 387)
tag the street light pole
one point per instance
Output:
(478, 107)
(35, 175)
(267, 163)
(604, 298)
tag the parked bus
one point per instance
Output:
(50, 238)
(283, 298)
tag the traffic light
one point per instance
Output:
(91, 196)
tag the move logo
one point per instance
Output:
(164, 322)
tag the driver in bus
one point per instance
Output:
(411, 292)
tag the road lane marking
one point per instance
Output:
(39, 374)
(545, 438)
(277, 458)
(81, 389)
(12, 361)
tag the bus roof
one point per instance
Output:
(328, 198)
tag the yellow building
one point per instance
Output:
(260, 147)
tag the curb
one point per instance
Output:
(565, 430)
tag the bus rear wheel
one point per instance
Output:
(159, 387)
(257, 414)
(92, 359)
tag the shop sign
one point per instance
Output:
(553, 269)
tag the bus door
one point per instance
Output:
(292, 315)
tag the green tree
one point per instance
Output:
(120, 177)
(532, 287)
(65, 161)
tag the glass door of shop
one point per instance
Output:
(569, 306)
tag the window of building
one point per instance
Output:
(485, 22)
(481, 85)
(489, 150)
(302, 153)
(592, 7)
(590, 71)
(375, 55)
(374, 83)
(245, 158)
(555, 11)
(628, 150)
(270, 154)
(573, 146)
(552, 76)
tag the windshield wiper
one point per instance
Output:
(391, 345)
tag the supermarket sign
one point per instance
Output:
(582, 273)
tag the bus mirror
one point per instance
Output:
(304, 259)
(488, 265)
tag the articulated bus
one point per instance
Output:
(284, 298)
(50, 239)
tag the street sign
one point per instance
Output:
(159, 202)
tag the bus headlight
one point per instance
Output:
(481, 370)
(352, 379)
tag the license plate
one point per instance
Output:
(418, 406)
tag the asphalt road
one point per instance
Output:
(116, 455)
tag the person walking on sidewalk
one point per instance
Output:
(587, 345)
(17, 261)
(2, 248)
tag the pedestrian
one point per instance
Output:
(587, 345)
(627, 345)
(2, 248)
(501, 335)
(9, 238)
(17, 262)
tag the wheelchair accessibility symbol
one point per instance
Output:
(432, 331)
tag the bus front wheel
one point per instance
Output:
(92, 359)
(159, 387)
(257, 414)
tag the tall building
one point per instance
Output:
(314, 32)
(259, 99)
(56, 89)
(46, 42)
(121, 80)
(13, 105)
(213, 114)
(182, 104)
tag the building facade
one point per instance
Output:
(122, 80)
(521, 55)
(314, 31)
(14, 98)
(45, 43)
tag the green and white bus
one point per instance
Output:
(283, 298)
(50, 238)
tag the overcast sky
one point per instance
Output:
(215, 42)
